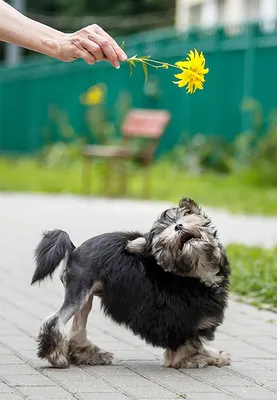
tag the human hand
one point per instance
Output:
(92, 44)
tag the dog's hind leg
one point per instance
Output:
(81, 350)
(52, 338)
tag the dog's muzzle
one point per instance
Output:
(185, 235)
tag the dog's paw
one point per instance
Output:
(58, 360)
(219, 358)
(200, 360)
(136, 246)
(101, 357)
(197, 361)
(53, 346)
(88, 354)
(223, 359)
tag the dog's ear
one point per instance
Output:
(137, 246)
(190, 204)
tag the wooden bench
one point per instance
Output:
(145, 124)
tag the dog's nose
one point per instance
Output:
(178, 227)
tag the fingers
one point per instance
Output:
(89, 59)
(94, 44)
(119, 52)
(106, 48)
(93, 49)
(81, 50)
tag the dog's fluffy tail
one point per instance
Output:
(53, 248)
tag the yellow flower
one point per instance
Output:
(94, 96)
(193, 71)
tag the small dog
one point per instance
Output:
(169, 286)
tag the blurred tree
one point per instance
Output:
(70, 15)
(99, 7)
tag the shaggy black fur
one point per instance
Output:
(50, 252)
(48, 339)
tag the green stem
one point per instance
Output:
(154, 61)
(148, 61)
(151, 65)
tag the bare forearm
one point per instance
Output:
(16, 28)
(91, 43)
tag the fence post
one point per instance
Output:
(249, 65)
(13, 53)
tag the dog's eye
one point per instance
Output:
(186, 211)
(165, 215)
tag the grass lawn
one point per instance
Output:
(167, 183)
(254, 274)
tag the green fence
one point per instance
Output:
(242, 64)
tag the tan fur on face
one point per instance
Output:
(194, 250)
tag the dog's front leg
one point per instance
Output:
(194, 355)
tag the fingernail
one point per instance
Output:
(117, 67)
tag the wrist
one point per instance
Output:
(52, 46)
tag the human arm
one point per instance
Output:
(91, 43)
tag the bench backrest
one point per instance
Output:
(145, 123)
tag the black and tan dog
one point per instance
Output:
(169, 286)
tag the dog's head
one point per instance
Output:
(184, 241)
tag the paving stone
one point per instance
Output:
(209, 396)
(105, 396)
(10, 396)
(85, 384)
(28, 380)
(43, 393)
(4, 388)
(252, 393)
(133, 380)
(21, 369)
(149, 392)
(11, 360)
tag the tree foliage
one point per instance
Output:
(99, 7)
(115, 16)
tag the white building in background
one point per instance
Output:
(213, 12)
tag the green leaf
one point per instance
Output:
(131, 69)
(122, 45)
(132, 62)
(145, 70)
(144, 57)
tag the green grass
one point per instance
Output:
(167, 183)
(254, 274)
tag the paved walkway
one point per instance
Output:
(248, 334)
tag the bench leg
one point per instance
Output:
(124, 173)
(146, 191)
(107, 183)
(86, 175)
